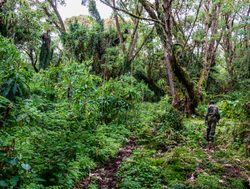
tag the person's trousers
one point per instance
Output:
(211, 130)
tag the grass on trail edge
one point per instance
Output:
(190, 162)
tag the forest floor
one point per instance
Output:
(175, 161)
(224, 159)
(192, 163)
(105, 175)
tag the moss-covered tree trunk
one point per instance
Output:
(46, 52)
(163, 28)
(168, 44)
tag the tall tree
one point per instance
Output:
(168, 45)
(164, 32)
(212, 14)
(15, 19)
(228, 44)
(130, 46)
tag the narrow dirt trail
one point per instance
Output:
(104, 175)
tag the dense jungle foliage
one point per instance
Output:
(73, 92)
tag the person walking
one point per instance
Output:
(211, 119)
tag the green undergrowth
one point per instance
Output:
(60, 123)
(70, 122)
(156, 122)
(182, 159)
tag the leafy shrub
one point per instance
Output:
(205, 181)
(117, 97)
(140, 171)
(9, 166)
(194, 132)
(236, 183)
(160, 124)
(12, 75)
(171, 118)
(64, 128)
(5, 111)
(231, 109)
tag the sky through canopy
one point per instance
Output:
(74, 8)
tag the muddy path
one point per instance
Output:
(105, 174)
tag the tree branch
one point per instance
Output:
(196, 17)
(131, 14)
(118, 28)
(54, 6)
(134, 38)
(143, 43)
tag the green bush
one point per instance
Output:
(6, 111)
(205, 181)
(9, 165)
(13, 77)
(160, 125)
(140, 171)
(70, 123)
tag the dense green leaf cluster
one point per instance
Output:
(71, 121)
(13, 79)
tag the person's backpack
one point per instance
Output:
(213, 112)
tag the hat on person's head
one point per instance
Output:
(212, 102)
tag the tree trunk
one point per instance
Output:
(175, 98)
(166, 39)
(180, 73)
(54, 6)
(46, 52)
(168, 43)
(186, 81)
(210, 45)
(32, 59)
(130, 55)
(229, 47)
(118, 28)
(134, 39)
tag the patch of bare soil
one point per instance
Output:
(104, 175)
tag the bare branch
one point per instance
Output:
(134, 37)
(54, 6)
(118, 28)
(196, 17)
(143, 43)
